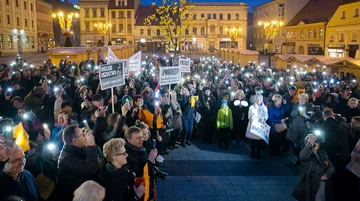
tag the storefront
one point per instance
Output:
(315, 49)
(336, 51)
(352, 50)
(118, 41)
(288, 47)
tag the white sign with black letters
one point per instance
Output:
(135, 62)
(184, 65)
(170, 75)
(112, 75)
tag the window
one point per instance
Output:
(149, 32)
(27, 42)
(194, 17)
(229, 17)
(356, 12)
(315, 33)
(302, 34)
(129, 28)
(102, 12)
(208, 16)
(130, 42)
(195, 30)
(1, 41)
(202, 16)
(113, 28)
(31, 7)
(310, 33)
(332, 37)
(221, 17)
(141, 32)
(17, 21)
(113, 14)
(7, 2)
(24, 5)
(10, 41)
(214, 16)
(228, 30)
(221, 30)
(87, 26)
(321, 33)
(353, 37)
(121, 28)
(16, 3)
(341, 39)
(202, 31)
(94, 12)
(8, 19)
(121, 14)
(343, 14)
(32, 42)
(212, 29)
(86, 12)
(32, 23)
(237, 17)
(158, 32)
(129, 14)
(25, 22)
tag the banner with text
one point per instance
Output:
(184, 65)
(170, 75)
(112, 75)
(112, 59)
(260, 130)
(135, 62)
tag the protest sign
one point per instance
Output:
(170, 75)
(135, 62)
(112, 59)
(184, 65)
(112, 75)
(261, 130)
(354, 165)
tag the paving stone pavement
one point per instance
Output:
(201, 172)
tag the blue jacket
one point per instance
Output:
(275, 116)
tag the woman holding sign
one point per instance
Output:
(258, 114)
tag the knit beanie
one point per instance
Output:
(126, 98)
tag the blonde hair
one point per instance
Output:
(111, 147)
(276, 97)
(353, 99)
(89, 191)
(241, 93)
(304, 95)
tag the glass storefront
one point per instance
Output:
(336, 52)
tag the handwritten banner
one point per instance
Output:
(135, 62)
(260, 130)
(170, 75)
(112, 75)
(184, 65)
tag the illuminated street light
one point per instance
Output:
(65, 21)
(270, 29)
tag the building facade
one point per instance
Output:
(93, 13)
(45, 32)
(18, 27)
(216, 26)
(343, 29)
(274, 11)
(306, 31)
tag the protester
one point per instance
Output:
(89, 191)
(224, 124)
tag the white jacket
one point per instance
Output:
(257, 113)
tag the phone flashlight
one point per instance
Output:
(232, 93)
(49, 81)
(56, 89)
(45, 126)
(25, 116)
(153, 144)
(8, 136)
(317, 132)
(9, 90)
(157, 103)
(51, 146)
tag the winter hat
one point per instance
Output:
(146, 84)
(125, 99)
(223, 102)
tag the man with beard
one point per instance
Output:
(208, 113)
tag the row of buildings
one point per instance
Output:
(311, 27)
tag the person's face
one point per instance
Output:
(18, 75)
(17, 104)
(292, 93)
(207, 92)
(21, 112)
(126, 90)
(258, 102)
(145, 133)
(277, 103)
(302, 100)
(136, 139)
(120, 156)
(139, 102)
(98, 103)
(16, 162)
(353, 104)
(79, 139)
(354, 123)
(16, 86)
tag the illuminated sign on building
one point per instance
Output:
(77, 7)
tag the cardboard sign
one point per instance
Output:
(354, 165)
(135, 62)
(184, 65)
(112, 75)
(260, 130)
(170, 75)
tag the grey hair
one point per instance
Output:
(89, 191)
(258, 97)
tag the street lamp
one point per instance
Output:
(234, 33)
(65, 21)
(102, 29)
(270, 29)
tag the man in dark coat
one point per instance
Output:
(78, 161)
(208, 113)
(336, 146)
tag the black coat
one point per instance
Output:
(137, 159)
(76, 165)
(119, 184)
(312, 169)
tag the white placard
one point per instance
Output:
(135, 62)
(184, 65)
(170, 75)
(260, 130)
(112, 59)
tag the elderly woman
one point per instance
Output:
(118, 180)
(277, 118)
(298, 128)
(258, 112)
(352, 109)
(89, 191)
(316, 171)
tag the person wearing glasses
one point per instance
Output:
(78, 160)
(119, 181)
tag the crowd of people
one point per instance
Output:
(80, 149)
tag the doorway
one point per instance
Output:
(352, 50)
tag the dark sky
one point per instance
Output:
(251, 3)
